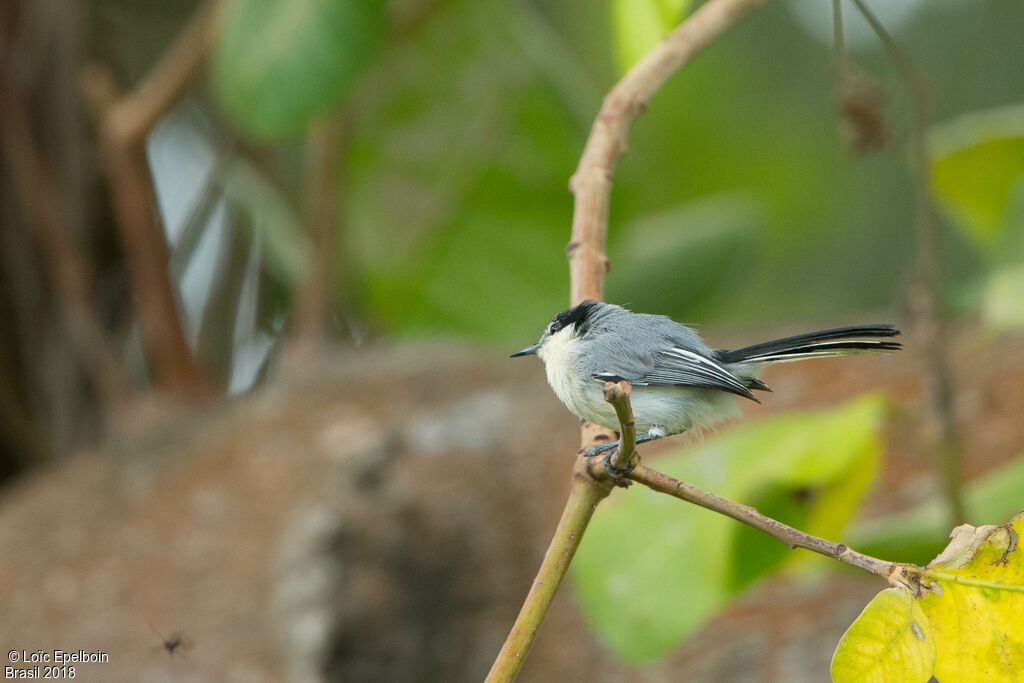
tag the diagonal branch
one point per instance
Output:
(124, 123)
(585, 494)
(907, 575)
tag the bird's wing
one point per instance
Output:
(677, 367)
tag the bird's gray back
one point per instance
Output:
(635, 340)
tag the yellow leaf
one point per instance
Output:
(976, 607)
(890, 642)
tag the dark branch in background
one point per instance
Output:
(859, 98)
(925, 294)
(124, 123)
(42, 207)
(323, 210)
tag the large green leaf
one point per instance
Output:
(978, 165)
(652, 569)
(280, 65)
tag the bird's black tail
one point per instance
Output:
(835, 342)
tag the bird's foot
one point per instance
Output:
(598, 450)
(618, 474)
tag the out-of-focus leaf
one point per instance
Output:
(977, 165)
(1003, 304)
(890, 642)
(280, 65)
(917, 535)
(285, 247)
(691, 252)
(458, 199)
(640, 24)
(652, 569)
(977, 610)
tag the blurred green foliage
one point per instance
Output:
(736, 200)
(280, 65)
(918, 534)
(978, 166)
(651, 570)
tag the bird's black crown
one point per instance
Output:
(580, 315)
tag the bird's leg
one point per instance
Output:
(611, 445)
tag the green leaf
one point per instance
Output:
(977, 165)
(890, 642)
(457, 194)
(280, 65)
(977, 609)
(640, 24)
(685, 562)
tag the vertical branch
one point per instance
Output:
(584, 496)
(926, 293)
(324, 152)
(592, 183)
(125, 122)
(42, 207)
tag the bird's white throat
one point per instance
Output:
(560, 366)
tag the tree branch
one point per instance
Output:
(124, 123)
(748, 515)
(43, 212)
(926, 294)
(584, 496)
(907, 575)
(325, 149)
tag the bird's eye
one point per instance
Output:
(555, 326)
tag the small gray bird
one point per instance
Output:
(679, 384)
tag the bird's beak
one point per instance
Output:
(526, 352)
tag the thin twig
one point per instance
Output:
(584, 496)
(624, 457)
(794, 538)
(927, 293)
